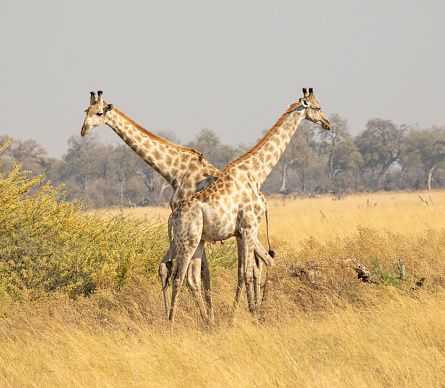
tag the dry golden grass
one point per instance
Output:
(332, 332)
(327, 218)
(398, 342)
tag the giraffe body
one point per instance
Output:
(185, 169)
(233, 205)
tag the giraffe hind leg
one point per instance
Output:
(240, 286)
(194, 280)
(183, 258)
(205, 275)
(257, 270)
(165, 272)
(268, 259)
(248, 243)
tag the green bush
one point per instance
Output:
(48, 244)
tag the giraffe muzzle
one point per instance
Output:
(84, 131)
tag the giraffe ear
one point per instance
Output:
(304, 102)
(108, 107)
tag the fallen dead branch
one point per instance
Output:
(310, 270)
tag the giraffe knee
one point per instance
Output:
(191, 283)
(163, 271)
(249, 277)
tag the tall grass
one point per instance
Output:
(81, 305)
(328, 217)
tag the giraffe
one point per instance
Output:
(186, 170)
(232, 206)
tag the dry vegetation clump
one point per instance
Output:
(321, 277)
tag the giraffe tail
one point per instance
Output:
(266, 211)
(170, 227)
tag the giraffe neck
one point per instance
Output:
(262, 158)
(169, 160)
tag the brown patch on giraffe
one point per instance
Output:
(193, 168)
(245, 196)
(156, 154)
(147, 143)
(248, 208)
(168, 160)
(183, 166)
(243, 167)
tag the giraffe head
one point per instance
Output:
(311, 108)
(96, 112)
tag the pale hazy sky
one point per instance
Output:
(230, 66)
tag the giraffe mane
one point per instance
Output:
(156, 137)
(264, 139)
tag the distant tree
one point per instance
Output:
(86, 162)
(126, 176)
(30, 153)
(207, 142)
(331, 140)
(380, 145)
(346, 166)
(426, 148)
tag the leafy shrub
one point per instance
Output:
(48, 244)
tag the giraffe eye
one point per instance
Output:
(100, 114)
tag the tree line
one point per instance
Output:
(385, 156)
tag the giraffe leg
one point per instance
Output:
(205, 274)
(260, 253)
(183, 258)
(248, 247)
(257, 269)
(240, 286)
(194, 280)
(165, 271)
(263, 255)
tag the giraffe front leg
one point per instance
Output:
(184, 254)
(205, 275)
(240, 286)
(248, 245)
(194, 280)
(165, 271)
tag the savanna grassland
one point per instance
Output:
(81, 304)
